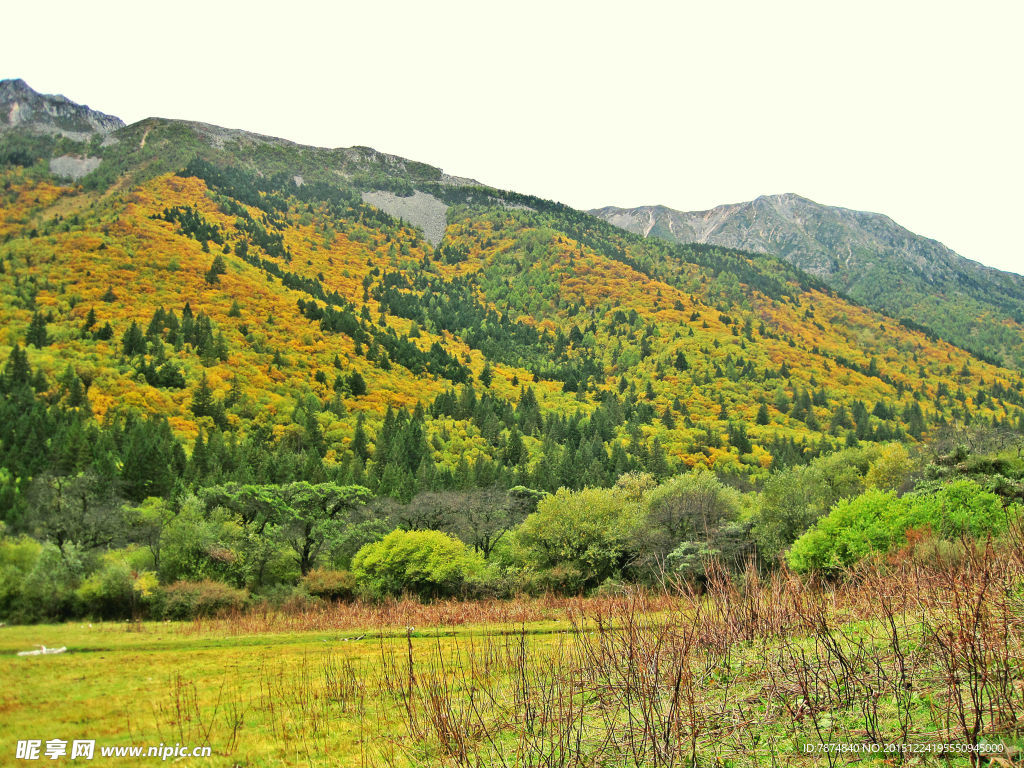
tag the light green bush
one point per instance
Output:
(877, 520)
(48, 590)
(428, 563)
(794, 498)
(17, 559)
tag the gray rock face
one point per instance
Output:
(74, 168)
(833, 243)
(21, 107)
(421, 210)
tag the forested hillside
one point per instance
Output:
(248, 327)
(212, 336)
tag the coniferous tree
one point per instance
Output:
(217, 268)
(133, 342)
(515, 451)
(90, 322)
(657, 463)
(37, 335)
(17, 372)
(202, 399)
(914, 418)
(840, 420)
(762, 417)
(356, 384)
(811, 421)
(668, 419)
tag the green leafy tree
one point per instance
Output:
(577, 539)
(483, 516)
(77, 508)
(313, 517)
(148, 524)
(687, 508)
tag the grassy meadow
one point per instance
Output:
(922, 649)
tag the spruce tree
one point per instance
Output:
(357, 384)
(217, 268)
(37, 335)
(202, 399)
(668, 419)
(17, 372)
(762, 415)
(90, 321)
(133, 342)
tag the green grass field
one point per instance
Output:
(278, 698)
(737, 675)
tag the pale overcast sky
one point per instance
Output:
(911, 109)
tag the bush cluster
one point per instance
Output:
(297, 544)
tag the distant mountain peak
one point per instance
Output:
(808, 234)
(22, 107)
(867, 256)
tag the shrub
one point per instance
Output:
(960, 508)
(876, 521)
(330, 585)
(17, 559)
(190, 599)
(561, 579)
(794, 498)
(427, 563)
(116, 590)
(852, 530)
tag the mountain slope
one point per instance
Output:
(867, 256)
(207, 305)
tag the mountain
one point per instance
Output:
(207, 305)
(23, 109)
(866, 256)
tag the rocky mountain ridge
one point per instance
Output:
(866, 256)
(22, 107)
